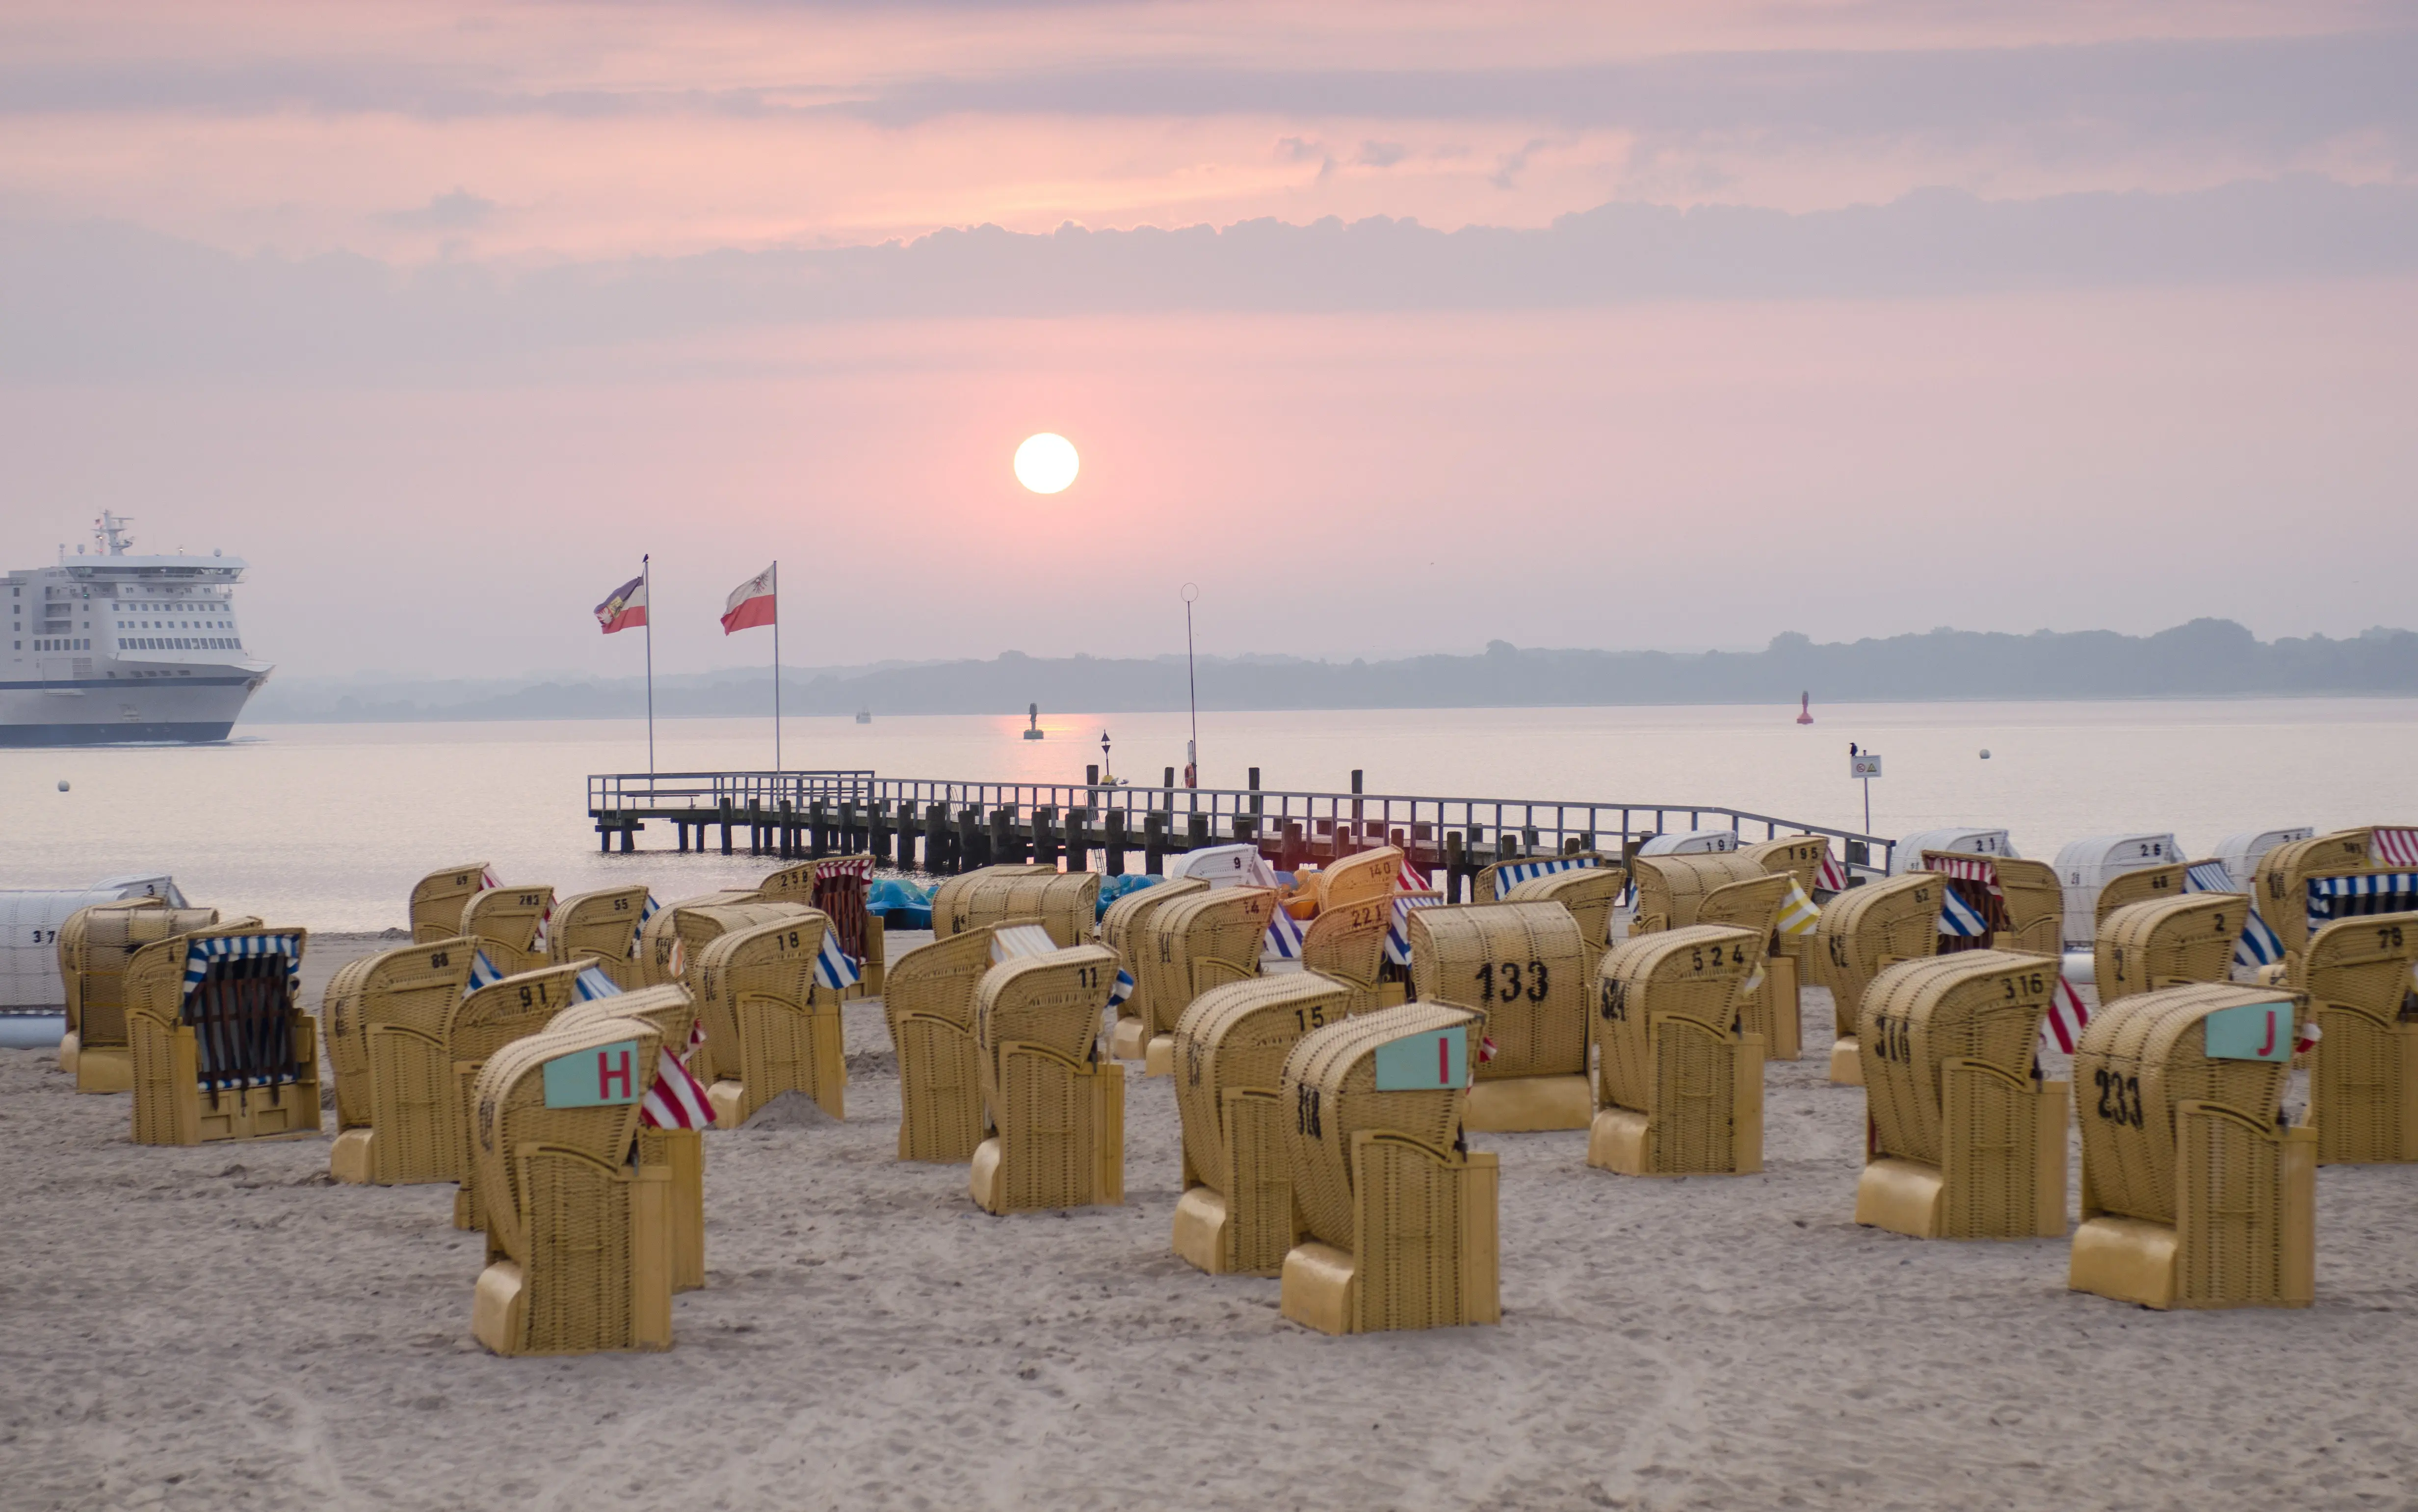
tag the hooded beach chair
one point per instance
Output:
(1671, 888)
(602, 926)
(483, 1019)
(837, 887)
(386, 1017)
(1346, 944)
(2194, 1192)
(2020, 904)
(769, 1027)
(1058, 1110)
(2167, 941)
(580, 1241)
(1965, 1140)
(1236, 1215)
(1192, 944)
(1496, 879)
(219, 1045)
(511, 925)
(1521, 967)
(1065, 904)
(1590, 893)
(678, 1150)
(928, 1003)
(1863, 931)
(96, 945)
(1400, 1218)
(1125, 928)
(2361, 976)
(660, 934)
(2306, 884)
(1681, 1087)
(437, 900)
(1768, 1008)
(697, 927)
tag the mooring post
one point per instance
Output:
(629, 834)
(1289, 853)
(877, 831)
(936, 847)
(1456, 864)
(1154, 845)
(1197, 832)
(728, 818)
(1079, 839)
(969, 838)
(1115, 842)
(1003, 836)
(1045, 837)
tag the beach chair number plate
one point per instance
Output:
(1439, 1058)
(2254, 1031)
(605, 1077)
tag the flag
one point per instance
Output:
(487, 879)
(2061, 1028)
(545, 919)
(751, 603)
(834, 966)
(1398, 933)
(2394, 848)
(676, 964)
(1799, 915)
(677, 1100)
(625, 607)
(1831, 878)
(2258, 945)
(482, 974)
(1283, 942)
(1958, 918)
(1408, 880)
(1121, 990)
(591, 983)
(638, 931)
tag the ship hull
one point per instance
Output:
(196, 732)
(170, 706)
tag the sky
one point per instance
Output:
(1394, 329)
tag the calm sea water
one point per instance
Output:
(328, 826)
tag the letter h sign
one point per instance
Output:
(605, 1077)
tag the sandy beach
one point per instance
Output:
(224, 1328)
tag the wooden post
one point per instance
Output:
(845, 842)
(1092, 775)
(1455, 865)
(877, 831)
(1115, 843)
(726, 826)
(1078, 840)
(1355, 801)
(1288, 854)
(1045, 839)
(1197, 832)
(1003, 836)
(1154, 845)
(936, 838)
(1169, 784)
(969, 838)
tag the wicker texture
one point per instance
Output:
(657, 939)
(1235, 1038)
(1521, 966)
(2147, 885)
(559, 1190)
(834, 886)
(1671, 888)
(929, 1004)
(1065, 903)
(1482, 887)
(680, 1153)
(2166, 942)
(406, 985)
(1126, 929)
(1589, 893)
(1329, 1085)
(1368, 876)
(2035, 901)
(769, 1025)
(396, 1028)
(699, 927)
(2357, 974)
(604, 926)
(1036, 1025)
(505, 921)
(171, 1104)
(1198, 941)
(437, 899)
(1694, 972)
(2286, 870)
(972, 899)
(1867, 928)
(96, 944)
(476, 1027)
(1346, 942)
(1800, 856)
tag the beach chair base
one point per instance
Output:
(1129, 1039)
(68, 1052)
(1447, 1280)
(1201, 1218)
(1624, 1140)
(729, 1100)
(351, 1157)
(2149, 1264)
(2127, 1260)
(1158, 1057)
(1846, 1063)
(1317, 1289)
(1913, 1197)
(1522, 1104)
(105, 1068)
(1900, 1196)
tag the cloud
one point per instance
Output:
(1381, 154)
(99, 299)
(456, 210)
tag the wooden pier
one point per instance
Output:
(942, 826)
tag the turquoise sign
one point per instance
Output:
(605, 1077)
(1420, 1063)
(2254, 1031)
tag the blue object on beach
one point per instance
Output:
(901, 904)
(1113, 888)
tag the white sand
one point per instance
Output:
(221, 1327)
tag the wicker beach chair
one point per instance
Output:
(437, 900)
(1800, 856)
(682, 1151)
(1681, 1088)
(1967, 1141)
(929, 1005)
(386, 1018)
(602, 926)
(2147, 885)
(1125, 928)
(1496, 881)
(2167, 941)
(1401, 1221)
(661, 933)
(1192, 944)
(1671, 888)
(770, 1027)
(2364, 1069)
(219, 1045)
(1769, 1008)
(1059, 1111)
(1861, 931)
(697, 927)
(836, 887)
(481, 1021)
(578, 1236)
(510, 925)
(1346, 943)
(2294, 892)
(2195, 1194)
(1590, 893)
(1236, 1215)
(1366, 877)
(1064, 903)
(96, 944)
(972, 899)
(1521, 967)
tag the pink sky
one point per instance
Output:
(441, 315)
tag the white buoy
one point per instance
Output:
(63, 784)
(1986, 753)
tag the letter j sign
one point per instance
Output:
(605, 1077)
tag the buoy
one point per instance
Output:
(63, 784)
(1986, 753)
(1805, 709)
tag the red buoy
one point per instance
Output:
(1805, 709)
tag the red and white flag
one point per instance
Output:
(2062, 1027)
(677, 1100)
(2395, 847)
(625, 607)
(751, 603)
(1408, 880)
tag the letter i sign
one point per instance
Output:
(605, 1077)
(1418, 1062)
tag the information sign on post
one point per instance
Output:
(1865, 766)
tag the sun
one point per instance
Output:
(1047, 463)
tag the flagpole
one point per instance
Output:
(647, 576)
(776, 664)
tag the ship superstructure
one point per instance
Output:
(111, 647)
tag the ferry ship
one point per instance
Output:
(109, 648)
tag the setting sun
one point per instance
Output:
(1046, 463)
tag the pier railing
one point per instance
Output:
(1188, 818)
